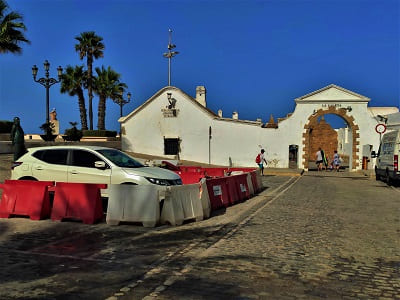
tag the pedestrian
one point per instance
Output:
(319, 159)
(18, 139)
(336, 161)
(260, 159)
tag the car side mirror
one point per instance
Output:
(373, 154)
(100, 164)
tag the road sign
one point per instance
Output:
(380, 128)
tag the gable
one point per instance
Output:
(163, 91)
(332, 93)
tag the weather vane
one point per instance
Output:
(170, 54)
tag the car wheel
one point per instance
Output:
(388, 180)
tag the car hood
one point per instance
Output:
(152, 172)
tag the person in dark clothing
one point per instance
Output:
(17, 139)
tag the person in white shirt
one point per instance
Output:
(319, 159)
(261, 163)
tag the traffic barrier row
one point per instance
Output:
(193, 174)
(147, 204)
(71, 200)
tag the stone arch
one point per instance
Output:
(313, 120)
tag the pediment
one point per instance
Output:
(332, 93)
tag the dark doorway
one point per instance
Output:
(293, 152)
(171, 146)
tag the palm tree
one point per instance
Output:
(91, 46)
(11, 30)
(108, 86)
(73, 81)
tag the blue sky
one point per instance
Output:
(254, 57)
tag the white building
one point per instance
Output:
(174, 125)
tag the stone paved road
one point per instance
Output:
(70, 260)
(325, 238)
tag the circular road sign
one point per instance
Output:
(380, 128)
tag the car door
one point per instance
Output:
(50, 165)
(82, 168)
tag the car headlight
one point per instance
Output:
(158, 181)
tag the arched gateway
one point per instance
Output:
(313, 122)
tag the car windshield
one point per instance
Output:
(120, 159)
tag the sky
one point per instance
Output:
(253, 57)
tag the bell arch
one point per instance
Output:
(313, 120)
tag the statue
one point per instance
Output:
(17, 139)
(53, 115)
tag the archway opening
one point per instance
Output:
(331, 129)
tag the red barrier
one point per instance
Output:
(190, 177)
(218, 193)
(214, 172)
(78, 201)
(242, 186)
(25, 198)
(232, 189)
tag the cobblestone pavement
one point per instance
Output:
(312, 237)
(326, 238)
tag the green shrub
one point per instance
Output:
(73, 133)
(100, 133)
(5, 126)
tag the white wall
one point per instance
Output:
(238, 140)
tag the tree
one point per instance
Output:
(11, 30)
(91, 46)
(73, 81)
(107, 85)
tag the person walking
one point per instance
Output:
(319, 159)
(336, 161)
(260, 159)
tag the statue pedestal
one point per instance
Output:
(56, 128)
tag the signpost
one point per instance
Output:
(381, 129)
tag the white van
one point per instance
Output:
(387, 158)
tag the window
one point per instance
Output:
(82, 158)
(56, 157)
(171, 146)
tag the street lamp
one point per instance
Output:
(122, 101)
(170, 54)
(47, 82)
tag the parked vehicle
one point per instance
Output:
(88, 164)
(387, 158)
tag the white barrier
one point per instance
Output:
(250, 184)
(205, 199)
(134, 203)
(182, 202)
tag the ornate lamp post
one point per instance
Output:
(170, 54)
(46, 82)
(121, 101)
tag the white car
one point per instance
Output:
(88, 164)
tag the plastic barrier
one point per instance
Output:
(259, 180)
(134, 203)
(253, 175)
(204, 198)
(218, 193)
(182, 203)
(250, 184)
(190, 177)
(215, 172)
(78, 201)
(25, 198)
(232, 190)
(242, 187)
